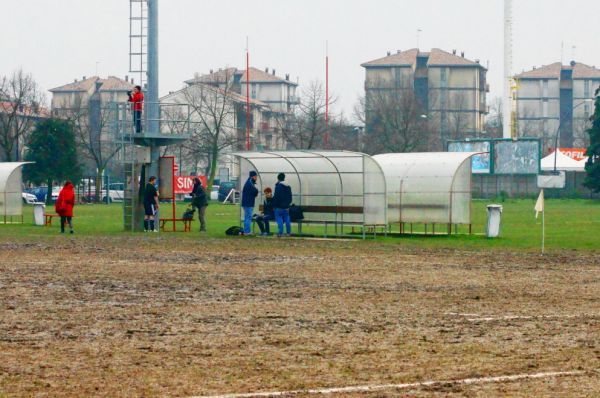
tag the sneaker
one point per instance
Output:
(156, 230)
(288, 235)
(71, 231)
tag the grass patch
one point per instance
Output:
(570, 224)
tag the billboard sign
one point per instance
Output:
(480, 164)
(574, 153)
(184, 184)
(517, 157)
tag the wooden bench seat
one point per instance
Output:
(187, 223)
(48, 218)
(306, 210)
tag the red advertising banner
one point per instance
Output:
(184, 184)
(574, 153)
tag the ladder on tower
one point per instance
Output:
(138, 34)
(124, 137)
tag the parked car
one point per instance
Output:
(113, 193)
(41, 192)
(38, 192)
(214, 194)
(29, 198)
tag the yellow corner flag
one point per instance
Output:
(539, 205)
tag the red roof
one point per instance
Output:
(112, 83)
(436, 57)
(552, 71)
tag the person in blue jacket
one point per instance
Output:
(281, 202)
(249, 193)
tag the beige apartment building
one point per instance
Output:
(556, 95)
(79, 92)
(274, 97)
(450, 90)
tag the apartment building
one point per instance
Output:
(450, 89)
(553, 96)
(276, 96)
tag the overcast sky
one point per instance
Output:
(59, 40)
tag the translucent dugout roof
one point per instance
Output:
(428, 187)
(11, 182)
(331, 186)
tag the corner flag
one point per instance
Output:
(539, 205)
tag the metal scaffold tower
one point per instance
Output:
(138, 36)
(162, 124)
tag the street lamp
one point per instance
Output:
(587, 100)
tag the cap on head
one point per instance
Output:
(253, 173)
(280, 176)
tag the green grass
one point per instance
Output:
(570, 224)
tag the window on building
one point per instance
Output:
(545, 88)
(253, 91)
(545, 108)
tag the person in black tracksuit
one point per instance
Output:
(150, 205)
(268, 213)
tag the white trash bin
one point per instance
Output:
(39, 209)
(494, 215)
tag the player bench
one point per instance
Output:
(187, 224)
(337, 210)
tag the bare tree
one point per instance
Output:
(344, 135)
(458, 117)
(213, 115)
(91, 121)
(395, 121)
(305, 127)
(21, 101)
(494, 123)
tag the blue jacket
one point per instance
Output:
(282, 199)
(249, 193)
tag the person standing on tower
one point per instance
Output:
(136, 97)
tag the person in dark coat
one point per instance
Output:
(268, 213)
(249, 194)
(200, 201)
(281, 203)
(150, 205)
(64, 206)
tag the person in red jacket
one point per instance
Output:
(137, 99)
(64, 206)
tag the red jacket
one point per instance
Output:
(65, 202)
(138, 101)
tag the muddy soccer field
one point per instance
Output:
(154, 316)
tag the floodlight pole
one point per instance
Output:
(247, 96)
(152, 102)
(326, 138)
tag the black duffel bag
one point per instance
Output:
(296, 213)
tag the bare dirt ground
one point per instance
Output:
(149, 316)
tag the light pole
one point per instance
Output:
(558, 132)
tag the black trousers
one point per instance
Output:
(263, 223)
(63, 220)
(137, 120)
